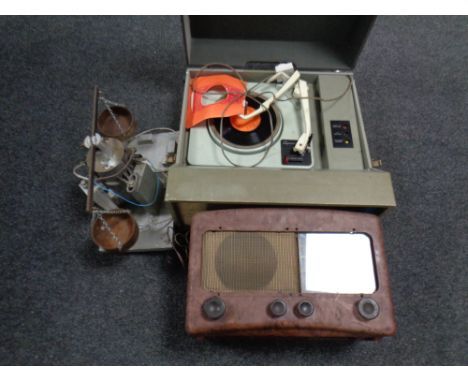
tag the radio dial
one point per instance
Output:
(304, 309)
(277, 308)
(213, 308)
(368, 308)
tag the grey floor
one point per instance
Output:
(61, 303)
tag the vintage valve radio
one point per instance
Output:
(288, 272)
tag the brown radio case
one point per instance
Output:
(246, 313)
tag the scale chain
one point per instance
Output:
(109, 109)
(105, 225)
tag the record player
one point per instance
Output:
(337, 169)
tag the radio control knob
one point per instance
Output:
(304, 309)
(213, 308)
(368, 308)
(277, 308)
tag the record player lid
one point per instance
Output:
(311, 42)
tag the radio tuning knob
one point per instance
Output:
(368, 308)
(304, 309)
(213, 308)
(277, 308)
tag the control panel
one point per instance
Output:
(290, 158)
(341, 134)
(214, 308)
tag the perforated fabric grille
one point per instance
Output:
(250, 261)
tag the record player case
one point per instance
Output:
(321, 47)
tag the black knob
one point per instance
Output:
(277, 308)
(368, 308)
(304, 309)
(213, 308)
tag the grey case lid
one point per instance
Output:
(311, 42)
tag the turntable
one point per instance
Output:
(258, 144)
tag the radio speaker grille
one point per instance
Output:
(250, 261)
